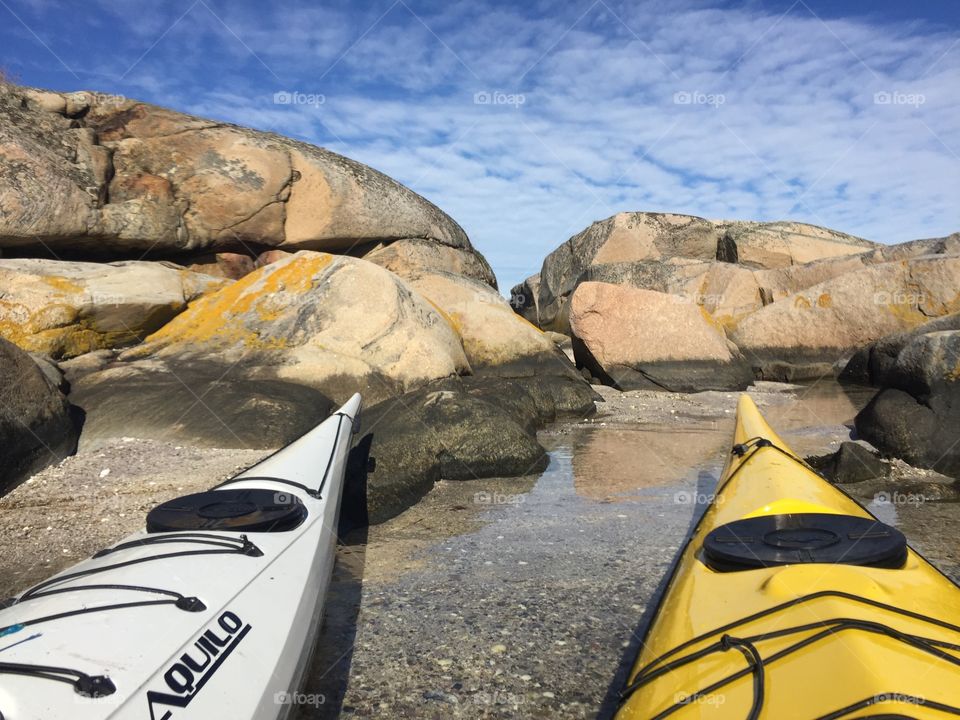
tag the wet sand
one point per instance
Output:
(526, 598)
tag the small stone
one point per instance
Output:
(498, 649)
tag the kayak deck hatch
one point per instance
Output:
(791, 600)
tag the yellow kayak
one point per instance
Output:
(792, 601)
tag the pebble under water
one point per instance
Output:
(527, 597)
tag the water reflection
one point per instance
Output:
(817, 405)
(613, 464)
(526, 597)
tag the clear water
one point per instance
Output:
(527, 597)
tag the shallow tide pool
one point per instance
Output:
(526, 597)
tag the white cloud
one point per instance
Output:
(782, 120)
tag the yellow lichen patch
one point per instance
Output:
(452, 319)
(802, 302)
(954, 374)
(62, 342)
(906, 312)
(522, 319)
(14, 333)
(824, 300)
(727, 322)
(46, 330)
(81, 340)
(296, 276)
(219, 317)
(711, 320)
(61, 283)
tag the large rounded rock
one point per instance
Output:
(98, 177)
(64, 309)
(916, 414)
(495, 339)
(805, 334)
(337, 324)
(876, 364)
(654, 239)
(415, 255)
(634, 338)
(36, 427)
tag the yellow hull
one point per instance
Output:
(867, 671)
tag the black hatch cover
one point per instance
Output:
(771, 540)
(241, 510)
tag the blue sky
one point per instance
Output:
(528, 121)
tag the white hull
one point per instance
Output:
(239, 657)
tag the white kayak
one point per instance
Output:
(211, 612)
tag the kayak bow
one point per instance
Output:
(210, 612)
(792, 601)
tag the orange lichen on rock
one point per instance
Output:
(62, 284)
(220, 318)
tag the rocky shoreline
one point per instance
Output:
(192, 282)
(70, 510)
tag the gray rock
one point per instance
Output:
(876, 364)
(75, 368)
(524, 299)
(916, 414)
(851, 463)
(36, 426)
(203, 405)
(441, 432)
(52, 371)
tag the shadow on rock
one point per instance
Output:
(37, 425)
(205, 404)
